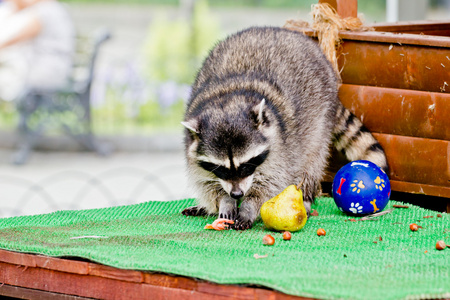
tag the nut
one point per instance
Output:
(287, 235)
(321, 231)
(440, 245)
(413, 227)
(268, 240)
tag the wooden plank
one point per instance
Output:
(395, 66)
(25, 293)
(77, 267)
(63, 265)
(344, 8)
(422, 189)
(424, 26)
(91, 286)
(387, 38)
(111, 283)
(399, 111)
(17, 258)
(396, 38)
(417, 160)
(114, 273)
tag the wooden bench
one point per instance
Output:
(73, 101)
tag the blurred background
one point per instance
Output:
(141, 82)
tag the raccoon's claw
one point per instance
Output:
(195, 211)
(229, 216)
(240, 224)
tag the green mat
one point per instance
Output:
(351, 261)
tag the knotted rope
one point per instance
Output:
(327, 24)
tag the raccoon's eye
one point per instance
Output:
(219, 171)
(246, 170)
(249, 167)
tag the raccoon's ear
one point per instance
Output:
(192, 125)
(260, 117)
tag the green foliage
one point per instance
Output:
(205, 30)
(151, 115)
(8, 115)
(174, 49)
(167, 52)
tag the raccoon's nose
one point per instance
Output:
(237, 194)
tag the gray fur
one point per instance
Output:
(265, 93)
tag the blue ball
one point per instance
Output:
(360, 188)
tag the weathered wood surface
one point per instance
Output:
(413, 128)
(37, 274)
(397, 38)
(399, 111)
(418, 160)
(427, 38)
(396, 65)
(15, 292)
(440, 28)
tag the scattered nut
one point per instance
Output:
(440, 245)
(287, 235)
(413, 227)
(400, 206)
(268, 240)
(321, 231)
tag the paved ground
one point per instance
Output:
(79, 180)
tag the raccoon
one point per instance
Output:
(262, 115)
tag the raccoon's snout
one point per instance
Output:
(237, 188)
(236, 194)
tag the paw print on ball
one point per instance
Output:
(379, 183)
(356, 208)
(357, 185)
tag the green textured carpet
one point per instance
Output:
(351, 261)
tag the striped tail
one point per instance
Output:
(355, 141)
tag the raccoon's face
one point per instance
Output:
(228, 143)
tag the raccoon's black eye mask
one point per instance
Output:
(244, 170)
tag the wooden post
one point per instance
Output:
(344, 8)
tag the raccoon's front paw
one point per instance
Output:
(227, 208)
(242, 224)
(195, 211)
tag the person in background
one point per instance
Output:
(37, 41)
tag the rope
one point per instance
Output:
(327, 24)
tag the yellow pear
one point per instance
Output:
(285, 211)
